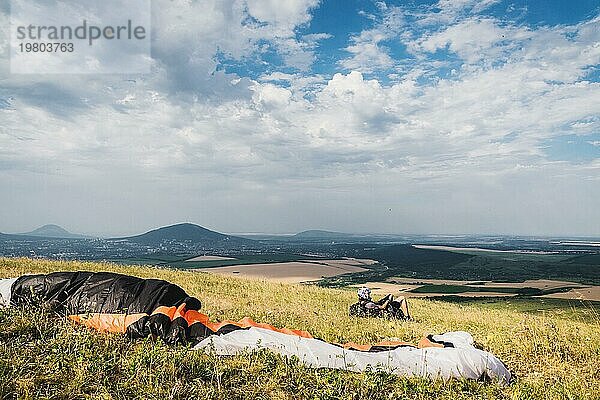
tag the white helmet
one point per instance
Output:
(364, 293)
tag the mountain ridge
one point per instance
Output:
(52, 231)
(184, 232)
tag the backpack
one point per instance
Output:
(358, 309)
(393, 311)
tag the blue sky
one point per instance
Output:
(450, 116)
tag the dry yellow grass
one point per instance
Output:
(553, 357)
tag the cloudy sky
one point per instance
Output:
(457, 116)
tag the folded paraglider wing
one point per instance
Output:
(110, 302)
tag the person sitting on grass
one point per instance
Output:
(386, 307)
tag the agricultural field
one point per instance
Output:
(189, 261)
(301, 271)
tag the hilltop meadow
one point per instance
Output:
(552, 353)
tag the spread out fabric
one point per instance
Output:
(461, 360)
(110, 302)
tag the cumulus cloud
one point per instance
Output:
(286, 16)
(475, 39)
(367, 53)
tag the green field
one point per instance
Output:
(456, 289)
(468, 265)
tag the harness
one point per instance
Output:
(359, 309)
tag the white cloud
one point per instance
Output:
(285, 15)
(475, 40)
(269, 95)
(367, 52)
(449, 11)
(367, 57)
(458, 5)
(299, 149)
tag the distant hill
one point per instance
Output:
(326, 237)
(12, 236)
(316, 235)
(185, 232)
(53, 231)
(319, 234)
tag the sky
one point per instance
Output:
(456, 116)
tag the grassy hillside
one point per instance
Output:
(43, 356)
